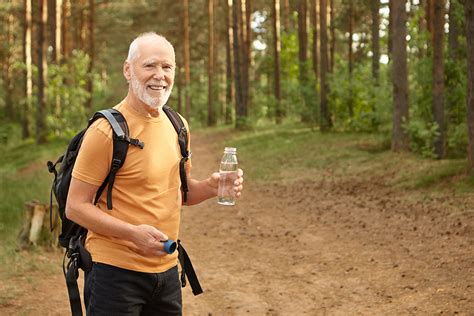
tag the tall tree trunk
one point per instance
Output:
(65, 29)
(244, 56)
(276, 50)
(324, 108)
(90, 69)
(239, 106)
(179, 84)
(438, 77)
(28, 71)
(187, 73)
(286, 15)
(453, 41)
(390, 29)
(41, 128)
(229, 72)
(400, 76)
(332, 28)
(210, 64)
(375, 4)
(350, 61)
(469, 18)
(314, 20)
(57, 47)
(303, 58)
(429, 13)
(8, 67)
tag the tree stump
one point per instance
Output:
(36, 226)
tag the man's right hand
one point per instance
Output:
(147, 240)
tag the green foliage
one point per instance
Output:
(422, 136)
(372, 103)
(67, 84)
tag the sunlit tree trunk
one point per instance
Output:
(210, 64)
(57, 48)
(276, 51)
(187, 72)
(65, 29)
(438, 77)
(41, 128)
(91, 48)
(229, 71)
(469, 20)
(375, 4)
(325, 117)
(28, 70)
(399, 75)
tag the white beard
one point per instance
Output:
(140, 91)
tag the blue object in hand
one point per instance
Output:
(169, 246)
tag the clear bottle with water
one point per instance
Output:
(228, 175)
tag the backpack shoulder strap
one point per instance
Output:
(121, 141)
(183, 145)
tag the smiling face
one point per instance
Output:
(151, 71)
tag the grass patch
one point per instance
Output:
(288, 152)
(23, 177)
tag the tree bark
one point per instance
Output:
(41, 128)
(350, 61)
(57, 48)
(469, 19)
(438, 77)
(187, 73)
(314, 20)
(90, 69)
(276, 51)
(244, 64)
(65, 29)
(210, 64)
(332, 28)
(239, 106)
(453, 35)
(286, 15)
(375, 4)
(325, 118)
(28, 70)
(400, 76)
(229, 71)
(8, 67)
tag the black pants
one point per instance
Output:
(109, 290)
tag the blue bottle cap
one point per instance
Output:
(169, 246)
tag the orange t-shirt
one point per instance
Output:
(146, 188)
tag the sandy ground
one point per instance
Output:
(324, 247)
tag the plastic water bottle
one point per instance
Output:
(228, 175)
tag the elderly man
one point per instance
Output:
(131, 273)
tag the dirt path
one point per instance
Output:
(309, 248)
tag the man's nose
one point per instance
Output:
(159, 73)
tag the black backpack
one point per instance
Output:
(72, 235)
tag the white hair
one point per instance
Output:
(133, 51)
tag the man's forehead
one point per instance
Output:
(151, 45)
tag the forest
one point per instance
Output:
(400, 68)
(354, 123)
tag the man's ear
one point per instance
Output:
(126, 70)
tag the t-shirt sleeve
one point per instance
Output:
(95, 156)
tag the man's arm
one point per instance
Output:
(205, 189)
(144, 239)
